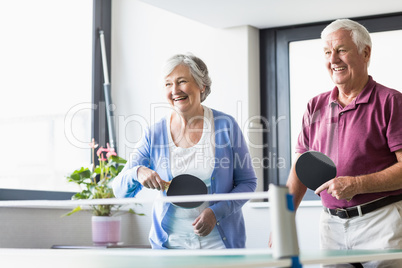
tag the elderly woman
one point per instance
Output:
(199, 141)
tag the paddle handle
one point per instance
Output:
(166, 186)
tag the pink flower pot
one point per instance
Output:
(106, 230)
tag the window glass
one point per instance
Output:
(45, 67)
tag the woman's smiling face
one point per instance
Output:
(182, 92)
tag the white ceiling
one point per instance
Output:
(273, 13)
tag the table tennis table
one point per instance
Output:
(148, 258)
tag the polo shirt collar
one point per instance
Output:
(363, 97)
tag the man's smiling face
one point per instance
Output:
(344, 63)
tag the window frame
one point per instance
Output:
(275, 85)
(101, 20)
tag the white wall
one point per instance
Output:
(144, 37)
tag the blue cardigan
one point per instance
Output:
(233, 173)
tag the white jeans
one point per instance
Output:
(379, 229)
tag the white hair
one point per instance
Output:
(360, 35)
(198, 70)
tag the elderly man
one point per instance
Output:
(359, 126)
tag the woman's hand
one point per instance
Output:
(204, 223)
(150, 179)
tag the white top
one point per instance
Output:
(198, 161)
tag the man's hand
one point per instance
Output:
(340, 188)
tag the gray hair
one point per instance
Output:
(360, 35)
(198, 70)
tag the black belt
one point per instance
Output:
(346, 213)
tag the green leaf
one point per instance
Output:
(83, 172)
(135, 213)
(98, 170)
(72, 211)
(118, 159)
(119, 169)
(85, 194)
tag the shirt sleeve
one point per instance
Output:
(394, 129)
(126, 184)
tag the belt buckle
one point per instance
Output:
(342, 213)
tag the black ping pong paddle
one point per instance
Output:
(314, 168)
(186, 184)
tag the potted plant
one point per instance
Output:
(95, 182)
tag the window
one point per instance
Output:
(279, 81)
(48, 80)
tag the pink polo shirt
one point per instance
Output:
(360, 138)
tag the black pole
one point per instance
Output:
(107, 93)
